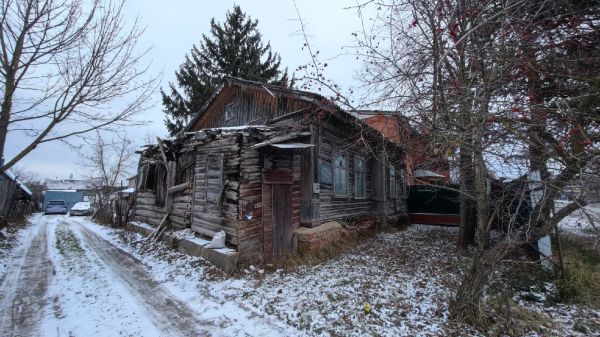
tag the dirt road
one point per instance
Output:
(64, 280)
(173, 316)
(24, 286)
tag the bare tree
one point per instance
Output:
(61, 63)
(108, 161)
(507, 79)
(33, 182)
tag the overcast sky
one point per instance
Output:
(172, 27)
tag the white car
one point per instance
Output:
(82, 208)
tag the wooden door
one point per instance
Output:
(282, 220)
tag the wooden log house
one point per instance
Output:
(260, 161)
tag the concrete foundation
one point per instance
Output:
(223, 258)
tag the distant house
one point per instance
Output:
(71, 191)
(131, 181)
(422, 164)
(585, 186)
(15, 197)
(276, 169)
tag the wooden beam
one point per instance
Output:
(178, 188)
(281, 138)
(161, 146)
(158, 229)
(288, 115)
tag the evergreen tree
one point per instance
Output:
(233, 48)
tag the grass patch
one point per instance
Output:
(591, 230)
(67, 243)
(508, 318)
(581, 281)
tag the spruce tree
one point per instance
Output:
(233, 48)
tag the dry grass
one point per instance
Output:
(581, 281)
(508, 318)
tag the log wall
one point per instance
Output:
(146, 210)
(250, 210)
(335, 207)
(216, 184)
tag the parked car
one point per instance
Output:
(56, 207)
(82, 208)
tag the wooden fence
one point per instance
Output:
(14, 201)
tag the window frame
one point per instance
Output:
(358, 158)
(336, 193)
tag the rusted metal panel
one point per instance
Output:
(277, 176)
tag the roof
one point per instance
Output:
(422, 173)
(21, 185)
(317, 100)
(387, 124)
(72, 184)
(228, 80)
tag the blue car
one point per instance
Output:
(56, 207)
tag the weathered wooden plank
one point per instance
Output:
(184, 199)
(150, 214)
(150, 207)
(277, 176)
(178, 188)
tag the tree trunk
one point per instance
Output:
(468, 218)
(466, 306)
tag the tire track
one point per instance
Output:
(24, 288)
(171, 315)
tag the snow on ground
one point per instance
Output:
(406, 297)
(579, 223)
(406, 278)
(85, 299)
(14, 246)
(196, 283)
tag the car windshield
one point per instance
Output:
(56, 202)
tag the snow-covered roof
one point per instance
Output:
(72, 184)
(70, 191)
(231, 129)
(21, 185)
(426, 173)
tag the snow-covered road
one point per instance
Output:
(24, 286)
(65, 280)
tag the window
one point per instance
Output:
(359, 177)
(392, 183)
(340, 174)
(150, 175)
(185, 169)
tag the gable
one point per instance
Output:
(236, 104)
